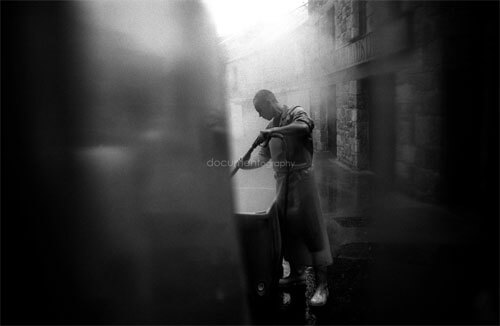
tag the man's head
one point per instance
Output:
(265, 104)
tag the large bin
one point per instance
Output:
(261, 250)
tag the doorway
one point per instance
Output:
(380, 95)
(328, 102)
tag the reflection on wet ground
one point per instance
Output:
(286, 306)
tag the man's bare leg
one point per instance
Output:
(320, 296)
(297, 276)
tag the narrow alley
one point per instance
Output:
(385, 83)
(122, 123)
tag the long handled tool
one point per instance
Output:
(247, 155)
(259, 140)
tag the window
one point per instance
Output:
(331, 20)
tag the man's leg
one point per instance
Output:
(321, 276)
(297, 275)
(320, 296)
(297, 269)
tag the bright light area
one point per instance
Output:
(234, 16)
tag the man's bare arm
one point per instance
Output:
(254, 163)
(296, 128)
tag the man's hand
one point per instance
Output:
(266, 133)
(264, 136)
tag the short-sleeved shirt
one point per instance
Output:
(298, 147)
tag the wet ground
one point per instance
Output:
(396, 260)
(345, 199)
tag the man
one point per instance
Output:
(304, 238)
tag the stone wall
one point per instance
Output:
(352, 125)
(417, 71)
(419, 94)
(343, 44)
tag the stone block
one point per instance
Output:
(354, 115)
(347, 152)
(343, 89)
(348, 115)
(340, 114)
(343, 106)
(351, 101)
(356, 101)
(340, 127)
(351, 132)
(428, 131)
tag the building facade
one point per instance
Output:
(375, 77)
